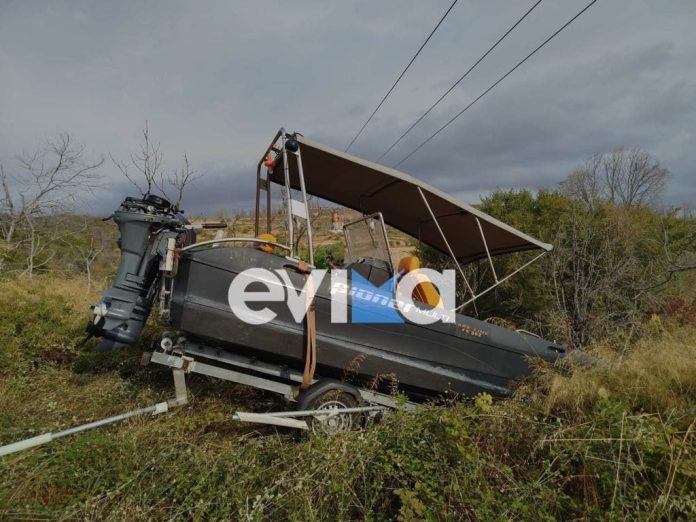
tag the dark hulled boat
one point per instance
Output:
(465, 357)
(192, 280)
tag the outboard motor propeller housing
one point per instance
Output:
(145, 226)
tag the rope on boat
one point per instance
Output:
(311, 346)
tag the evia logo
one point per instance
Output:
(372, 304)
(353, 299)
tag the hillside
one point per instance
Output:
(616, 441)
(612, 442)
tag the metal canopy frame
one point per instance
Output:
(474, 294)
(367, 187)
(278, 148)
(498, 282)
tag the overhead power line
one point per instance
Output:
(496, 83)
(461, 78)
(401, 75)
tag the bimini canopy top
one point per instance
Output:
(406, 203)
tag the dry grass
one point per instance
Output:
(607, 442)
(656, 374)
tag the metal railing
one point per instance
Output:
(213, 242)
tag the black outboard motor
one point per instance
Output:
(146, 225)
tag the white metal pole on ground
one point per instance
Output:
(160, 407)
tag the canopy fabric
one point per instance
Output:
(369, 187)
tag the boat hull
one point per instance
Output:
(465, 357)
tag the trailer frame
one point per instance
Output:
(192, 357)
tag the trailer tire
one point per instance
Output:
(331, 395)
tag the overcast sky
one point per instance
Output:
(217, 79)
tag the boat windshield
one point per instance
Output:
(367, 237)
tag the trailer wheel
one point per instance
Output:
(332, 400)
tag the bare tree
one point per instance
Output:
(146, 166)
(9, 217)
(48, 183)
(177, 181)
(631, 178)
(584, 184)
(88, 255)
(645, 179)
(607, 264)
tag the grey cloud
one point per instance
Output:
(216, 80)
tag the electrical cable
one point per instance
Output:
(461, 78)
(496, 83)
(400, 76)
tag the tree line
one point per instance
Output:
(39, 224)
(617, 258)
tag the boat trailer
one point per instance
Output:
(323, 415)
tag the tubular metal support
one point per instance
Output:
(300, 173)
(488, 253)
(181, 394)
(155, 409)
(258, 198)
(234, 240)
(265, 418)
(268, 185)
(320, 413)
(449, 248)
(268, 202)
(287, 418)
(48, 437)
(288, 193)
(245, 370)
(500, 282)
(386, 236)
